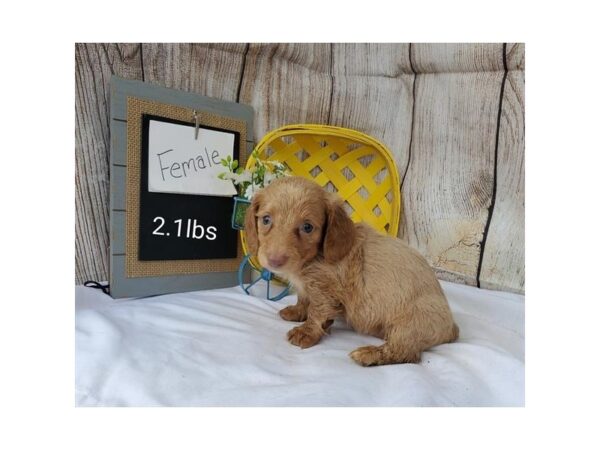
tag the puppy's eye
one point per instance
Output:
(266, 220)
(307, 227)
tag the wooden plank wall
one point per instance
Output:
(452, 114)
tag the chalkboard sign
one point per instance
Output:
(170, 215)
(177, 226)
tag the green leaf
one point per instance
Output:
(239, 170)
(235, 164)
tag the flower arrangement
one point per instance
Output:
(250, 181)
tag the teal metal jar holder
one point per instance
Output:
(240, 206)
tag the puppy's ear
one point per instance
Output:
(250, 225)
(340, 232)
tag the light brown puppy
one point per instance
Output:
(379, 284)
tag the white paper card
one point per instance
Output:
(180, 164)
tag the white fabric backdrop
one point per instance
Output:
(224, 348)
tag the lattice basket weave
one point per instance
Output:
(356, 166)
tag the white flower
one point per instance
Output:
(251, 190)
(271, 171)
(244, 177)
(269, 177)
(227, 176)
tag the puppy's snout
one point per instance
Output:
(276, 261)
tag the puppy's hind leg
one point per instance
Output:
(401, 346)
(405, 342)
(297, 312)
(372, 355)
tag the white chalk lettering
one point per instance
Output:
(194, 230)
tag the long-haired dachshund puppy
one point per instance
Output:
(380, 285)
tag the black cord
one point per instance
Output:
(96, 285)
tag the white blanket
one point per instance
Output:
(225, 348)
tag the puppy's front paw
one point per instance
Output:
(367, 356)
(303, 336)
(293, 313)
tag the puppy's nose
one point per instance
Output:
(276, 261)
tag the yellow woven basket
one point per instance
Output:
(356, 166)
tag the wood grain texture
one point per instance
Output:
(94, 65)
(436, 58)
(287, 83)
(213, 70)
(503, 265)
(316, 57)
(449, 183)
(373, 93)
(444, 140)
(380, 60)
(515, 56)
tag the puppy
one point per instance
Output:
(377, 283)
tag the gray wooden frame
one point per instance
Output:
(120, 89)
